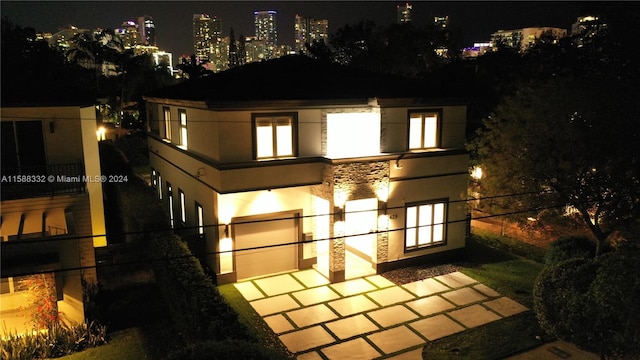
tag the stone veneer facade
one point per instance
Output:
(352, 181)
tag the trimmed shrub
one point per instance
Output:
(562, 301)
(569, 247)
(198, 310)
(593, 303)
(616, 290)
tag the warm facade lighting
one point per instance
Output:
(476, 172)
(100, 133)
(226, 255)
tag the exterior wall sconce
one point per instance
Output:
(200, 172)
(382, 205)
(398, 166)
(226, 230)
(338, 214)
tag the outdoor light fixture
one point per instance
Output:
(338, 213)
(383, 206)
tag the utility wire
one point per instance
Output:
(189, 256)
(171, 230)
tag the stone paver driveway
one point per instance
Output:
(370, 317)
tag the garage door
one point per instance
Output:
(267, 258)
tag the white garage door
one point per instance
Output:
(266, 259)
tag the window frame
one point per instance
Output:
(182, 200)
(444, 223)
(171, 209)
(424, 113)
(166, 110)
(199, 218)
(182, 124)
(293, 116)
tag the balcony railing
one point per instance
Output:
(50, 180)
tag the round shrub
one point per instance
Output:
(616, 290)
(562, 301)
(593, 303)
(569, 247)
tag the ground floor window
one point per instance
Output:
(425, 224)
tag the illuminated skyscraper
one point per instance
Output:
(147, 30)
(266, 30)
(129, 33)
(404, 13)
(307, 30)
(202, 37)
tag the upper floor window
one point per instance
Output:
(182, 114)
(274, 135)
(425, 224)
(167, 122)
(353, 134)
(424, 130)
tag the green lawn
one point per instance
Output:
(124, 344)
(510, 275)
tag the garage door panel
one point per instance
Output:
(264, 257)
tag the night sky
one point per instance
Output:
(476, 20)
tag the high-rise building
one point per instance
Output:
(309, 30)
(404, 13)
(585, 28)
(147, 30)
(267, 31)
(128, 31)
(202, 37)
(521, 39)
(441, 22)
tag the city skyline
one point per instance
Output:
(173, 19)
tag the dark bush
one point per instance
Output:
(224, 350)
(561, 297)
(569, 247)
(616, 290)
(593, 303)
(198, 310)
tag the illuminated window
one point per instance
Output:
(424, 130)
(274, 135)
(183, 209)
(154, 178)
(15, 284)
(200, 218)
(425, 224)
(353, 134)
(170, 195)
(159, 186)
(182, 114)
(167, 122)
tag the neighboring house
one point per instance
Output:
(291, 164)
(51, 206)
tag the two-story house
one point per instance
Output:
(51, 207)
(293, 163)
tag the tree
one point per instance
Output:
(32, 71)
(566, 142)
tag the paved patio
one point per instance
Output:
(371, 317)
